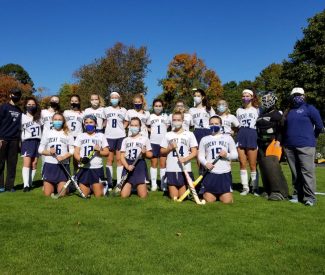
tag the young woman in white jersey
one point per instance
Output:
(158, 124)
(217, 183)
(115, 117)
(97, 109)
(31, 133)
(74, 116)
(132, 146)
(247, 140)
(229, 121)
(92, 172)
(181, 107)
(201, 114)
(47, 114)
(56, 145)
(186, 144)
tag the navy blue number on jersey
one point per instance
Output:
(73, 126)
(35, 131)
(246, 122)
(114, 123)
(88, 150)
(133, 153)
(215, 152)
(180, 152)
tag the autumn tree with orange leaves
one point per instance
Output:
(185, 72)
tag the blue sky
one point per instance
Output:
(53, 38)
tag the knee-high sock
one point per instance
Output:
(244, 178)
(26, 176)
(254, 179)
(153, 175)
(162, 172)
(119, 170)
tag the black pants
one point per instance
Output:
(8, 156)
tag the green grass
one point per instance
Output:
(39, 235)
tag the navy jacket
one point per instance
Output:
(10, 122)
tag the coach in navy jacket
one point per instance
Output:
(10, 124)
(302, 126)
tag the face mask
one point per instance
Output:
(57, 124)
(157, 110)
(31, 109)
(246, 100)
(197, 100)
(177, 124)
(221, 108)
(298, 100)
(114, 101)
(15, 98)
(134, 130)
(214, 128)
(90, 128)
(94, 103)
(75, 105)
(138, 106)
(54, 105)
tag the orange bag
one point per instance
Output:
(273, 150)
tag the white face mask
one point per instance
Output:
(94, 103)
(197, 100)
(177, 124)
(157, 110)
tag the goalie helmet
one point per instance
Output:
(269, 100)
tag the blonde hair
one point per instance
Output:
(101, 99)
(222, 101)
(178, 113)
(144, 102)
(65, 125)
(177, 109)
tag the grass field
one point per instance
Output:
(39, 235)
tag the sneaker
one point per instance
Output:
(255, 192)
(244, 192)
(309, 203)
(26, 189)
(154, 188)
(11, 190)
(275, 196)
(294, 199)
(2, 190)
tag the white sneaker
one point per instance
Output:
(294, 199)
(244, 192)
(256, 192)
(154, 188)
(309, 203)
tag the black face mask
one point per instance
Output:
(31, 109)
(54, 105)
(75, 105)
(15, 98)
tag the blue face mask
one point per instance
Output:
(221, 108)
(57, 124)
(134, 130)
(138, 106)
(114, 101)
(214, 128)
(90, 128)
(298, 100)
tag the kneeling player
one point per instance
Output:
(131, 147)
(217, 183)
(90, 146)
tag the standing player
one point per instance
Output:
(247, 140)
(186, 144)
(115, 117)
(96, 109)
(92, 173)
(74, 116)
(158, 124)
(31, 133)
(217, 183)
(47, 114)
(181, 107)
(229, 121)
(56, 145)
(132, 146)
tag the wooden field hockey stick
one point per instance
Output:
(189, 180)
(197, 181)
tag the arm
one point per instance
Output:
(317, 120)
(192, 155)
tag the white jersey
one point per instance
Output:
(132, 146)
(210, 147)
(142, 116)
(247, 117)
(187, 123)
(99, 114)
(158, 127)
(200, 117)
(115, 122)
(46, 119)
(74, 121)
(185, 141)
(87, 143)
(30, 129)
(229, 121)
(60, 141)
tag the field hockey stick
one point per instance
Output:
(124, 178)
(189, 181)
(197, 181)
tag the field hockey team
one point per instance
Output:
(131, 136)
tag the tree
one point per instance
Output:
(65, 92)
(270, 78)
(18, 72)
(187, 71)
(122, 69)
(306, 65)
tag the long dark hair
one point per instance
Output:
(37, 114)
(205, 101)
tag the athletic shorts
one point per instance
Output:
(54, 173)
(29, 148)
(115, 144)
(88, 176)
(177, 179)
(139, 174)
(200, 133)
(247, 138)
(155, 150)
(217, 184)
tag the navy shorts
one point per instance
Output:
(54, 173)
(155, 150)
(115, 144)
(177, 179)
(217, 184)
(247, 138)
(88, 176)
(200, 133)
(139, 174)
(29, 148)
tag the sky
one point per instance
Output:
(51, 39)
